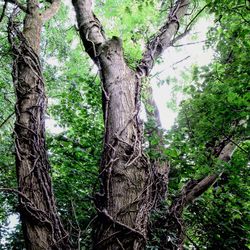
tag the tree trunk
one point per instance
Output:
(129, 182)
(126, 197)
(41, 224)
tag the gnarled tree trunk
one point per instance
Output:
(40, 221)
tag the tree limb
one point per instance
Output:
(51, 11)
(186, 44)
(90, 28)
(3, 11)
(9, 116)
(162, 40)
(199, 12)
(15, 191)
(190, 194)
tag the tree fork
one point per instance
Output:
(129, 180)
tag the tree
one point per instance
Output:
(130, 164)
(40, 221)
(125, 169)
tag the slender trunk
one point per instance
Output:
(41, 224)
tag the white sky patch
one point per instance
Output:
(52, 126)
(11, 224)
(53, 61)
(176, 61)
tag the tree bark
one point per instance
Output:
(41, 224)
(128, 179)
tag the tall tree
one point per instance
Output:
(40, 221)
(128, 178)
(134, 171)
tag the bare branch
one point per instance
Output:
(179, 37)
(15, 191)
(186, 44)
(51, 11)
(3, 11)
(162, 40)
(194, 18)
(180, 61)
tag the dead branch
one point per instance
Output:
(195, 17)
(3, 11)
(7, 119)
(180, 61)
(186, 44)
(15, 191)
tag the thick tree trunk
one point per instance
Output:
(41, 224)
(129, 180)
(127, 194)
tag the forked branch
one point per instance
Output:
(162, 39)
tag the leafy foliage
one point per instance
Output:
(217, 108)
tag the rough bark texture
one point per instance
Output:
(41, 224)
(129, 180)
(125, 171)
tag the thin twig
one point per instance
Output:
(9, 116)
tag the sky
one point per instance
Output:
(175, 62)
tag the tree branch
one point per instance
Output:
(186, 44)
(3, 11)
(194, 188)
(90, 28)
(51, 11)
(15, 191)
(162, 40)
(199, 12)
(9, 116)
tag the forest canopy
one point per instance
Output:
(105, 177)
